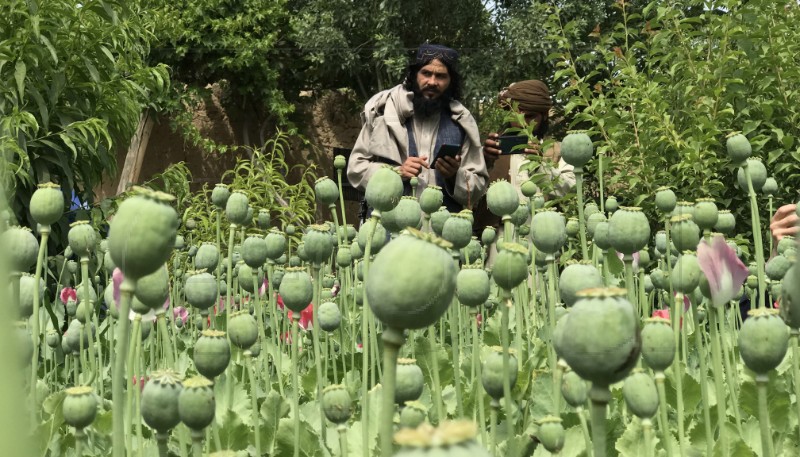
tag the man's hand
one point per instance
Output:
(491, 149)
(413, 166)
(784, 222)
(448, 166)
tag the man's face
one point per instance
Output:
(530, 118)
(433, 80)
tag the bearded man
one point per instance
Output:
(406, 125)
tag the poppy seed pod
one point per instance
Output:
(410, 381)
(263, 219)
(685, 233)
(153, 290)
(378, 238)
(488, 236)
(337, 404)
(576, 277)
(384, 189)
(577, 149)
(47, 204)
(243, 329)
(628, 230)
(763, 340)
(438, 219)
(521, 215)
(318, 244)
(79, 407)
(510, 266)
(686, 273)
(574, 389)
(212, 353)
(220, 194)
(492, 375)
(458, 231)
(142, 233)
(592, 221)
(407, 213)
(207, 257)
(329, 316)
(296, 289)
(254, 251)
(726, 222)
(758, 175)
(236, 208)
(770, 186)
(611, 204)
(665, 199)
(658, 345)
(82, 238)
(200, 289)
(502, 198)
(641, 395)
(339, 162)
(705, 213)
(399, 264)
(276, 244)
(472, 285)
(326, 190)
(548, 231)
(738, 147)
(551, 434)
(431, 199)
(196, 403)
(600, 339)
(160, 401)
(413, 414)
(450, 439)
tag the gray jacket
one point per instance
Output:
(384, 139)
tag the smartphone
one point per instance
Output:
(508, 143)
(449, 150)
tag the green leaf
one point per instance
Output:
(632, 442)
(284, 440)
(20, 71)
(233, 433)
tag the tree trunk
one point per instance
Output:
(136, 152)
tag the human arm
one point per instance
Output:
(784, 222)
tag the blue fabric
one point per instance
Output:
(449, 133)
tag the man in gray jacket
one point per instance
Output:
(406, 125)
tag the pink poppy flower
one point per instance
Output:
(67, 294)
(306, 317)
(117, 278)
(635, 262)
(264, 286)
(180, 313)
(723, 269)
(479, 319)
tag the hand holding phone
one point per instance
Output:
(449, 150)
(509, 144)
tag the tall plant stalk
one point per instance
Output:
(581, 221)
(758, 246)
(393, 339)
(117, 388)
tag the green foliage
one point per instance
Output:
(663, 87)
(73, 83)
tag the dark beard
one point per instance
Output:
(429, 106)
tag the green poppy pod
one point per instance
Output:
(705, 213)
(502, 198)
(407, 213)
(573, 227)
(26, 288)
(351, 232)
(160, 401)
(82, 238)
(212, 353)
(785, 243)
(296, 289)
(263, 219)
(590, 208)
(450, 439)
(738, 147)
(344, 256)
(301, 256)
(576, 277)
(770, 186)
(190, 224)
(640, 394)
(752, 281)
(685, 233)
(660, 279)
(658, 344)
(328, 280)
(777, 267)
(142, 233)
(592, 221)
(521, 215)
(551, 434)
(600, 237)
(19, 247)
(246, 275)
(243, 329)
(628, 230)
(337, 404)
(473, 251)
(726, 222)
(438, 219)
(410, 381)
(510, 265)
(108, 263)
(79, 407)
(686, 273)
(488, 236)
(53, 338)
(644, 258)
(339, 162)
(326, 190)
(472, 285)
(400, 264)
(329, 316)
(180, 242)
(254, 251)
(200, 289)
(548, 231)
(318, 244)
(384, 189)
(277, 277)
(111, 304)
(196, 403)
(611, 204)
(207, 257)
(47, 204)
(378, 238)
(665, 199)
(577, 149)
(413, 414)
(458, 231)
(758, 175)
(153, 290)
(276, 244)
(528, 189)
(236, 208)
(356, 253)
(389, 220)
(574, 389)
(600, 339)
(219, 195)
(790, 294)
(431, 199)
(763, 340)
(683, 208)
(492, 374)
(72, 266)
